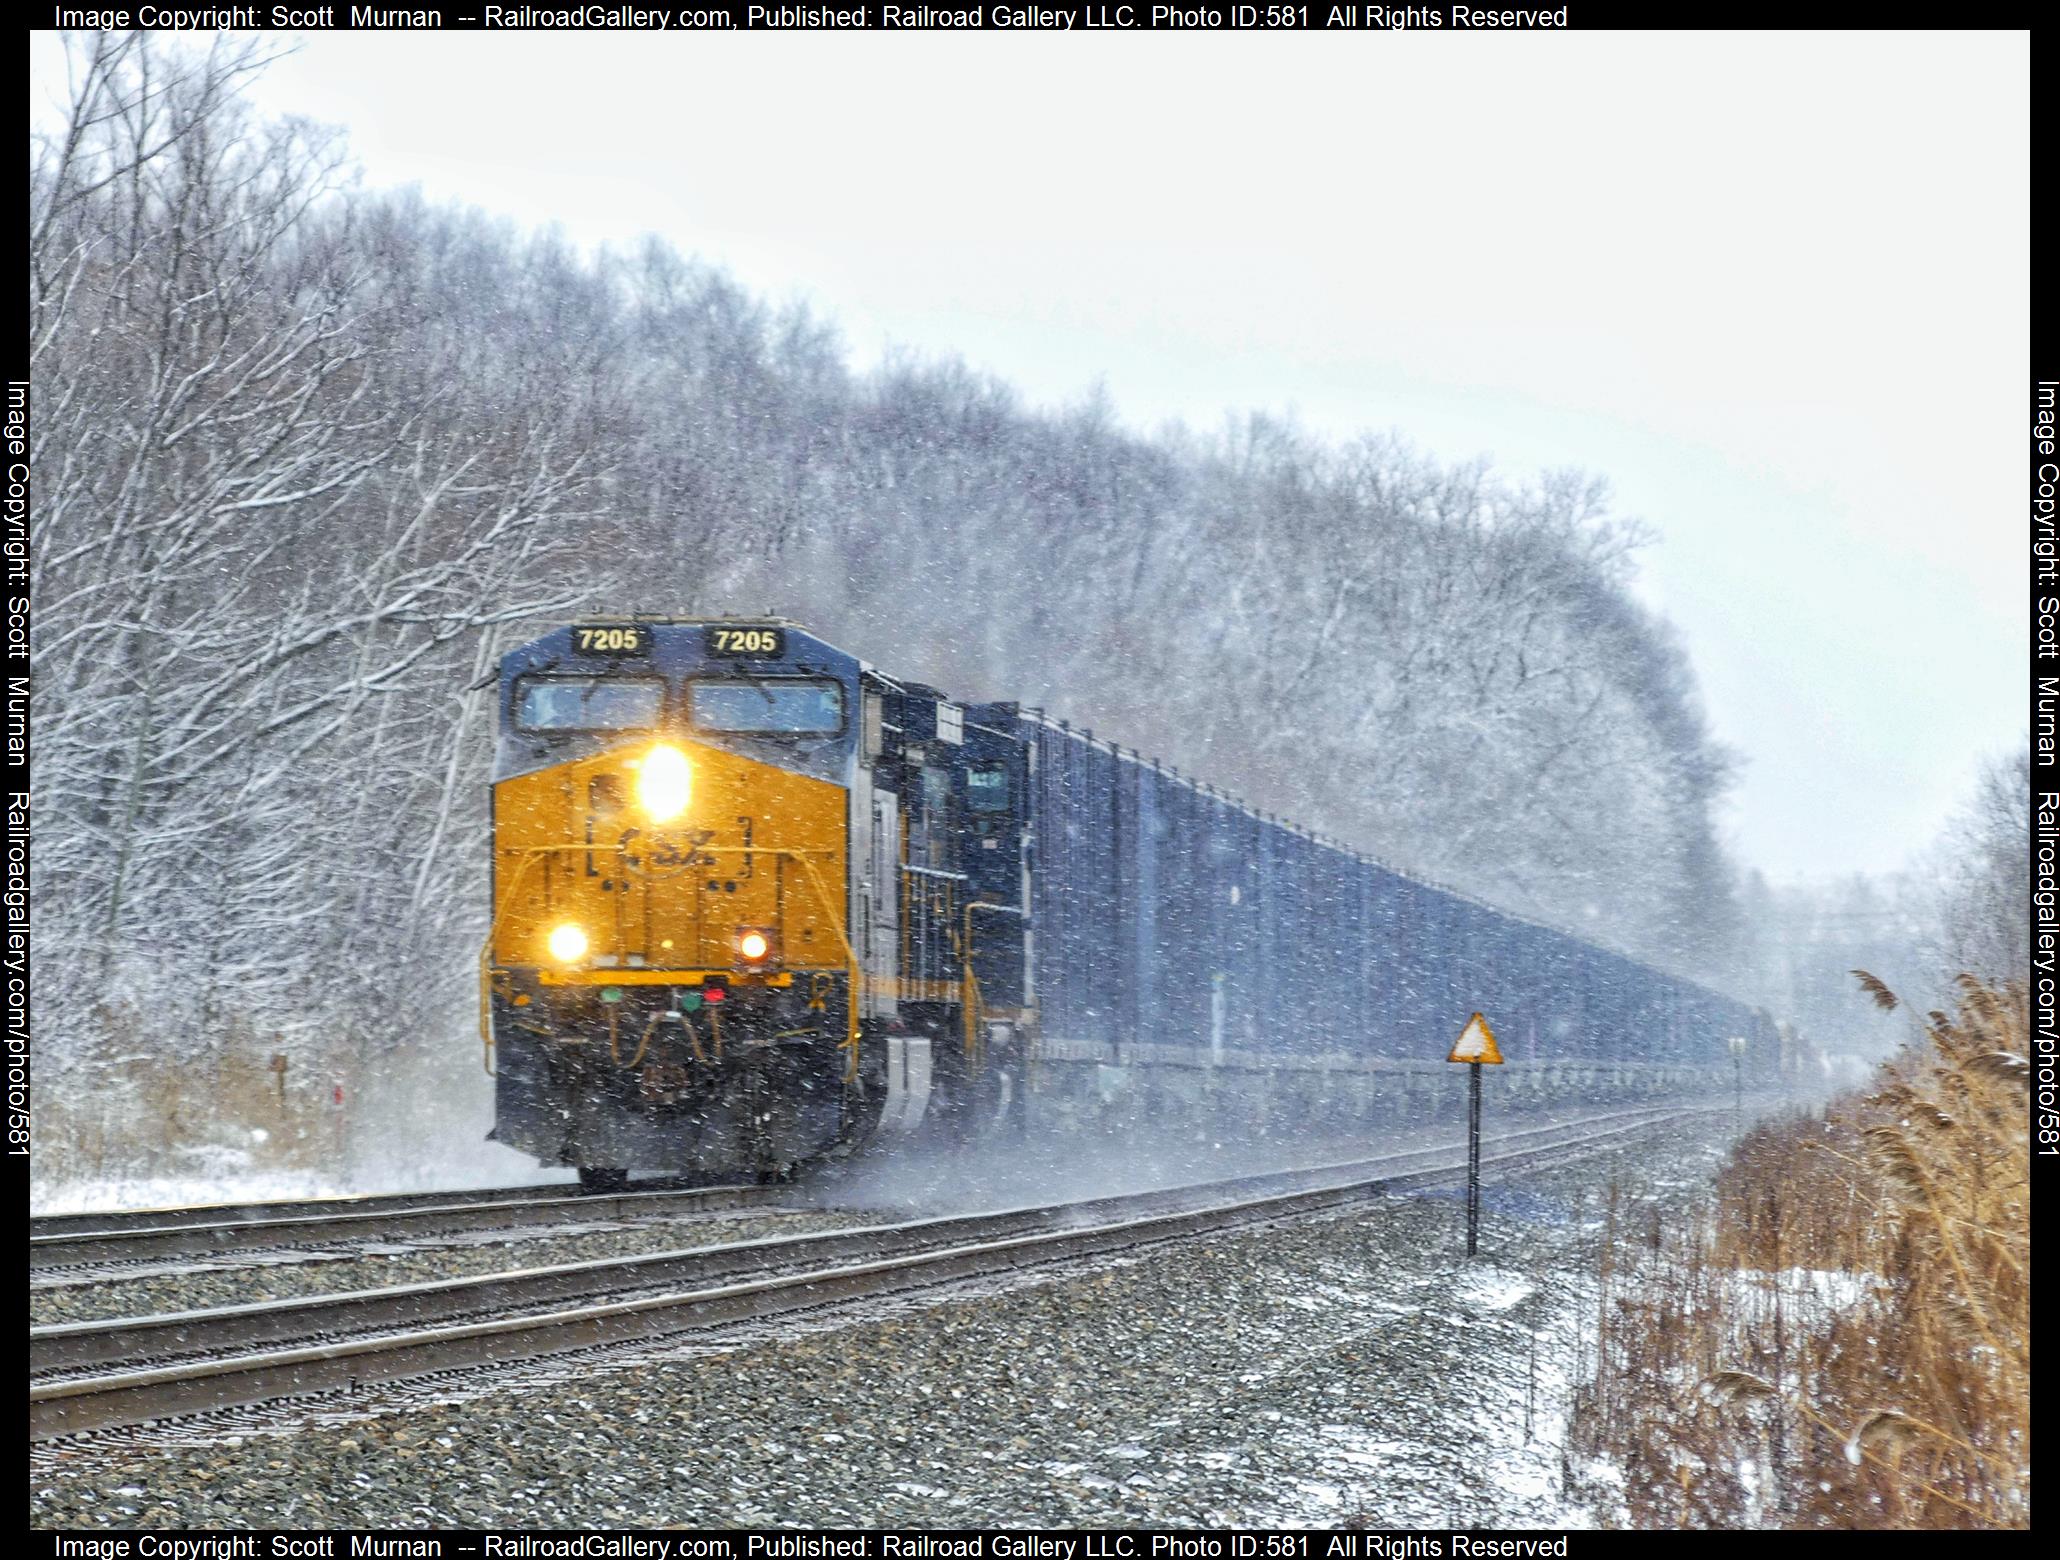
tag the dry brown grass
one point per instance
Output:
(1844, 1340)
(147, 1115)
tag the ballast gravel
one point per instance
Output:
(428, 1261)
(1355, 1366)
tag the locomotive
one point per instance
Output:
(756, 903)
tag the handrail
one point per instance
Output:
(970, 1003)
(531, 853)
(851, 957)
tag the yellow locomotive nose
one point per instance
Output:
(665, 782)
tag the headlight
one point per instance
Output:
(753, 946)
(568, 944)
(664, 783)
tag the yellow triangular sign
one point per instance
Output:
(1476, 1043)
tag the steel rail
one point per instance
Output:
(49, 1232)
(353, 1220)
(132, 1341)
(94, 1222)
(143, 1384)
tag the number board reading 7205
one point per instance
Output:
(746, 641)
(612, 639)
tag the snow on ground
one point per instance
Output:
(229, 1175)
(1835, 1290)
(425, 1131)
(1469, 1425)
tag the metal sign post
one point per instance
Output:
(1473, 1160)
(1476, 1047)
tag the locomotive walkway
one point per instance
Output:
(91, 1375)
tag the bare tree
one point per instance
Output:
(1984, 875)
(309, 460)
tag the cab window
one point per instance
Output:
(987, 788)
(588, 703)
(787, 705)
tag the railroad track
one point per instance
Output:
(284, 1208)
(93, 1375)
(83, 1241)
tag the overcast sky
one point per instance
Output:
(1773, 286)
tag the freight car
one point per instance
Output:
(755, 902)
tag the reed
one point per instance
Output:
(1843, 1340)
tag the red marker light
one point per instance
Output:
(714, 995)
